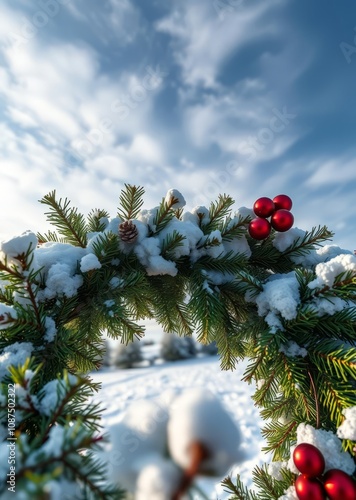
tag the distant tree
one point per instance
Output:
(125, 356)
(174, 347)
(209, 349)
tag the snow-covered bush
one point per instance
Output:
(174, 347)
(125, 356)
(209, 349)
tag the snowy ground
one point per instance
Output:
(120, 388)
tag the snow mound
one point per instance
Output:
(198, 416)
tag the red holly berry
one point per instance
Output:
(282, 201)
(308, 460)
(282, 220)
(259, 229)
(309, 488)
(263, 207)
(339, 485)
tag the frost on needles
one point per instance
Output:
(286, 303)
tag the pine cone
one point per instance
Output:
(128, 231)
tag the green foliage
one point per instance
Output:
(130, 202)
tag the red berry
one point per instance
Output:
(282, 220)
(308, 488)
(309, 460)
(282, 201)
(339, 485)
(259, 229)
(263, 207)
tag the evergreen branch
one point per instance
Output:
(239, 491)
(164, 214)
(231, 228)
(49, 236)
(217, 212)
(68, 221)
(316, 398)
(269, 487)
(97, 220)
(302, 246)
(171, 242)
(130, 201)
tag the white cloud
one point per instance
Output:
(332, 171)
(203, 42)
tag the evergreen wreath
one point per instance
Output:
(285, 302)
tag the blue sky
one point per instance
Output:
(247, 97)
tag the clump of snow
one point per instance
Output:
(274, 469)
(113, 225)
(192, 235)
(215, 250)
(51, 329)
(140, 433)
(198, 416)
(280, 295)
(147, 217)
(330, 306)
(328, 444)
(326, 272)
(284, 240)
(293, 349)
(238, 245)
(148, 252)
(199, 215)
(175, 194)
(245, 212)
(23, 393)
(158, 480)
(16, 246)
(60, 281)
(50, 395)
(289, 494)
(347, 429)
(14, 354)
(51, 253)
(89, 262)
(115, 282)
(6, 313)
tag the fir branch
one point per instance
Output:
(130, 201)
(269, 487)
(164, 215)
(49, 236)
(171, 242)
(97, 220)
(239, 491)
(311, 239)
(217, 212)
(231, 229)
(68, 221)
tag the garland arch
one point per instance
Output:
(285, 302)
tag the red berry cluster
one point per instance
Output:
(311, 484)
(279, 211)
